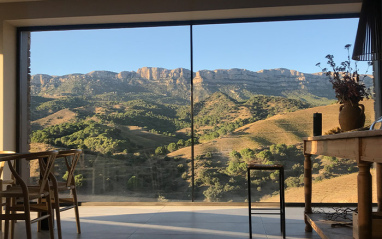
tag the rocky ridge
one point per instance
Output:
(237, 83)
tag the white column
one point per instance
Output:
(7, 88)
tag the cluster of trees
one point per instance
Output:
(229, 182)
(42, 107)
(220, 108)
(267, 106)
(162, 150)
(224, 129)
(84, 135)
(161, 118)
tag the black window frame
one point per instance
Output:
(22, 103)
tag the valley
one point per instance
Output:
(135, 130)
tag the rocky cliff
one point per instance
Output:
(237, 83)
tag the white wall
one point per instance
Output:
(7, 86)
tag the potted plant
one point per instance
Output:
(349, 89)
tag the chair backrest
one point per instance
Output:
(2, 163)
(71, 159)
(46, 163)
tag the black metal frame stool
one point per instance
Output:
(280, 168)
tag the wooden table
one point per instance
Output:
(365, 147)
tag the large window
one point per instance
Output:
(258, 86)
(124, 97)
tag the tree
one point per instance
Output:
(172, 147)
(247, 153)
(265, 155)
(77, 179)
(180, 142)
(234, 155)
(236, 168)
(133, 183)
(161, 150)
(214, 193)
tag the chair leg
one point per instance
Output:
(51, 223)
(1, 209)
(57, 209)
(283, 201)
(249, 203)
(28, 226)
(13, 203)
(39, 215)
(76, 211)
(1, 213)
(7, 212)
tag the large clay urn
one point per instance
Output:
(352, 116)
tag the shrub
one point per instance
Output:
(181, 168)
(208, 155)
(184, 175)
(292, 182)
(236, 168)
(172, 147)
(247, 153)
(133, 183)
(214, 193)
(77, 179)
(265, 155)
(234, 154)
(181, 142)
(161, 150)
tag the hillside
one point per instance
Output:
(341, 189)
(59, 117)
(135, 129)
(220, 109)
(287, 128)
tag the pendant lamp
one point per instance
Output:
(367, 46)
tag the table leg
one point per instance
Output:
(364, 200)
(308, 189)
(378, 172)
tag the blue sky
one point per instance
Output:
(296, 45)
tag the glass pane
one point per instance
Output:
(123, 96)
(257, 87)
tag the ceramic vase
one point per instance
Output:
(352, 116)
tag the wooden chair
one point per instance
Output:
(19, 196)
(3, 182)
(71, 158)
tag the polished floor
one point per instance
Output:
(169, 222)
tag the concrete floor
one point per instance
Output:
(168, 222)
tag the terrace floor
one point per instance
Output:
(168, 222)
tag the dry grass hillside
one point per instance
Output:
(286, 128)
(341, 189)
(142, 137)
(289, 128)
(62, 116)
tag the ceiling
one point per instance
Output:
(72, 12)
(4, 1)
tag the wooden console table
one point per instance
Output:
(365, 147)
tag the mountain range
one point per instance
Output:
(239, 84)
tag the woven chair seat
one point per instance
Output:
(16, 191)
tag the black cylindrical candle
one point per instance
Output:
(317, 124)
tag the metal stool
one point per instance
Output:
(280, 168)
